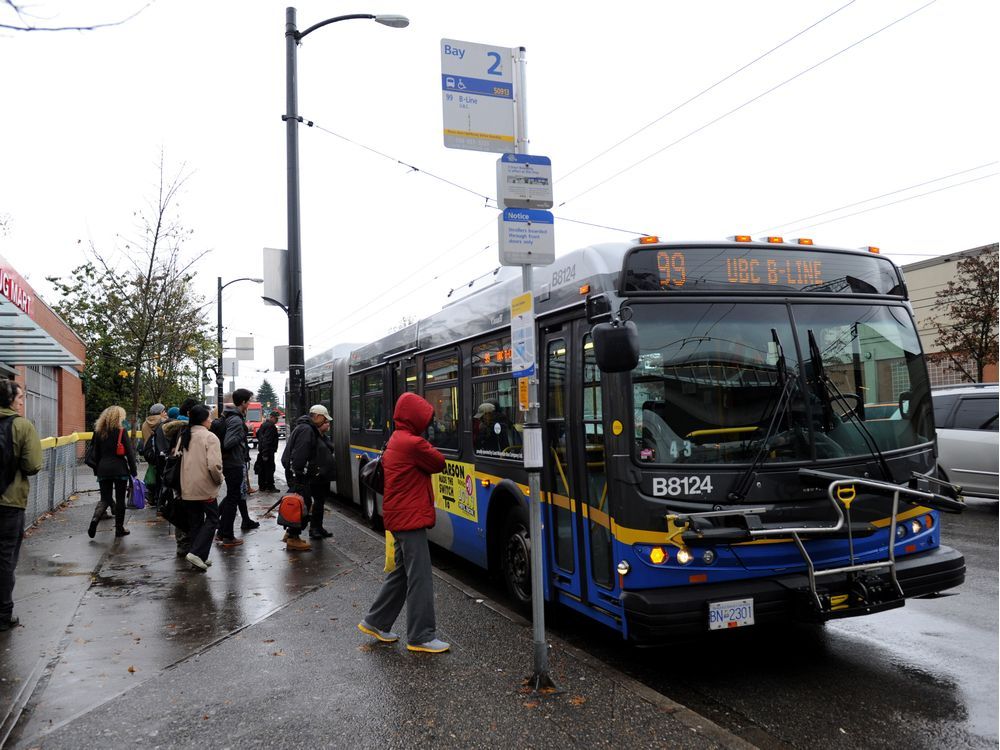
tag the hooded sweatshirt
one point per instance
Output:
(409, 461)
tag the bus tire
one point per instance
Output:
(369, 508)
(515, 557)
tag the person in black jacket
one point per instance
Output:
(234, 465)
(309, 469)
(115, 466)
(267, 446)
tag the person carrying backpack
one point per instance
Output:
(21, 454)
(231, 430)
(167, 437)
(150, 450)
(309, 469)
(114, 466)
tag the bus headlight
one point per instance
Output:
(708, 556)
(683, 557)
(915, 526)
(624, 568)
(900, 531)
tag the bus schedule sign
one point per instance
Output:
(522, 335)
(477, 88)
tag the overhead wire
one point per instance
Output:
(745, 104)
(704, 91)
(873, 198)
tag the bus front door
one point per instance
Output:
(579, 522)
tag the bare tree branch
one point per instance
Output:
(27, 25)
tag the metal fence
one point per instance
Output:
(53, 485)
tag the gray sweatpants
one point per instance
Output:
(412, 582)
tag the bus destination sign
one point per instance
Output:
(700, 269)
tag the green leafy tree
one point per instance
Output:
(267, 396)
(966, 319)
(145, 331)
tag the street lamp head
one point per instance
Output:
(396, 22)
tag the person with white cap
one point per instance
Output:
(309, 469)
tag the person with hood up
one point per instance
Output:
(408, 511)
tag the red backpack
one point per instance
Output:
(292, 512)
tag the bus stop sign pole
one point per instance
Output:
(533, 451)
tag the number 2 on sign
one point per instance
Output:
(494, 69)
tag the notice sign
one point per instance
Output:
(455, 490)
(526, 237)
(524, 181)
(477, 87)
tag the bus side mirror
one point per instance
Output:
(598, 309)
(616, 346)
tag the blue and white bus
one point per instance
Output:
(727, 476)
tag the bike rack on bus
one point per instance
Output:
(842, 490)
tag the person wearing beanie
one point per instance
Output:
(173, 412)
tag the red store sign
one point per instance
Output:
(16, 289)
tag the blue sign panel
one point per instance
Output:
(526, 159)
(528, 216)
(464, 85)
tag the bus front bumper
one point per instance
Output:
(657, 615)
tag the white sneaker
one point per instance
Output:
(196, 561)
(386, 636)
(434, 646)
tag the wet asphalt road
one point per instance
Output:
(924, 676)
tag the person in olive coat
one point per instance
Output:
(114, 465)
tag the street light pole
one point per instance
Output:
(218, 332)
(296, 333)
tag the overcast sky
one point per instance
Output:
(877, 122)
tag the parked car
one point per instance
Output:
(966, 421)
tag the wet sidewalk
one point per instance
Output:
(122, 644)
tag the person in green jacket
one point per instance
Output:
(22, 458)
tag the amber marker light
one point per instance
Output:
(929, 521)
(873, 250)
(775, 240)
(741, 238)
(804, 241)
(657, 555)
(649, 239)
(585, 289)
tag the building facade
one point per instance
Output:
(42, 353)
(923, 280)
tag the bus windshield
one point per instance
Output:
(721, 383)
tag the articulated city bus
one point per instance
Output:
(709, 461)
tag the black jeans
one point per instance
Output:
(231, 502)
(11, 534)
(265, 471)
(119, 485)
(203, 520)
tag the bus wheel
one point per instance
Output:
(516, 557)
(369, 509)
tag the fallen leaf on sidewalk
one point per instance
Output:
(269, 640)
(577, 700)
(132, 669)
(279, 652)
(531, 704)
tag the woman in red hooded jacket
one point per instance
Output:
(408, 511)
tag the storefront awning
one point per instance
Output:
(24, 342)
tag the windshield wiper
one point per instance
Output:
(826, 386)
(780, 409)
